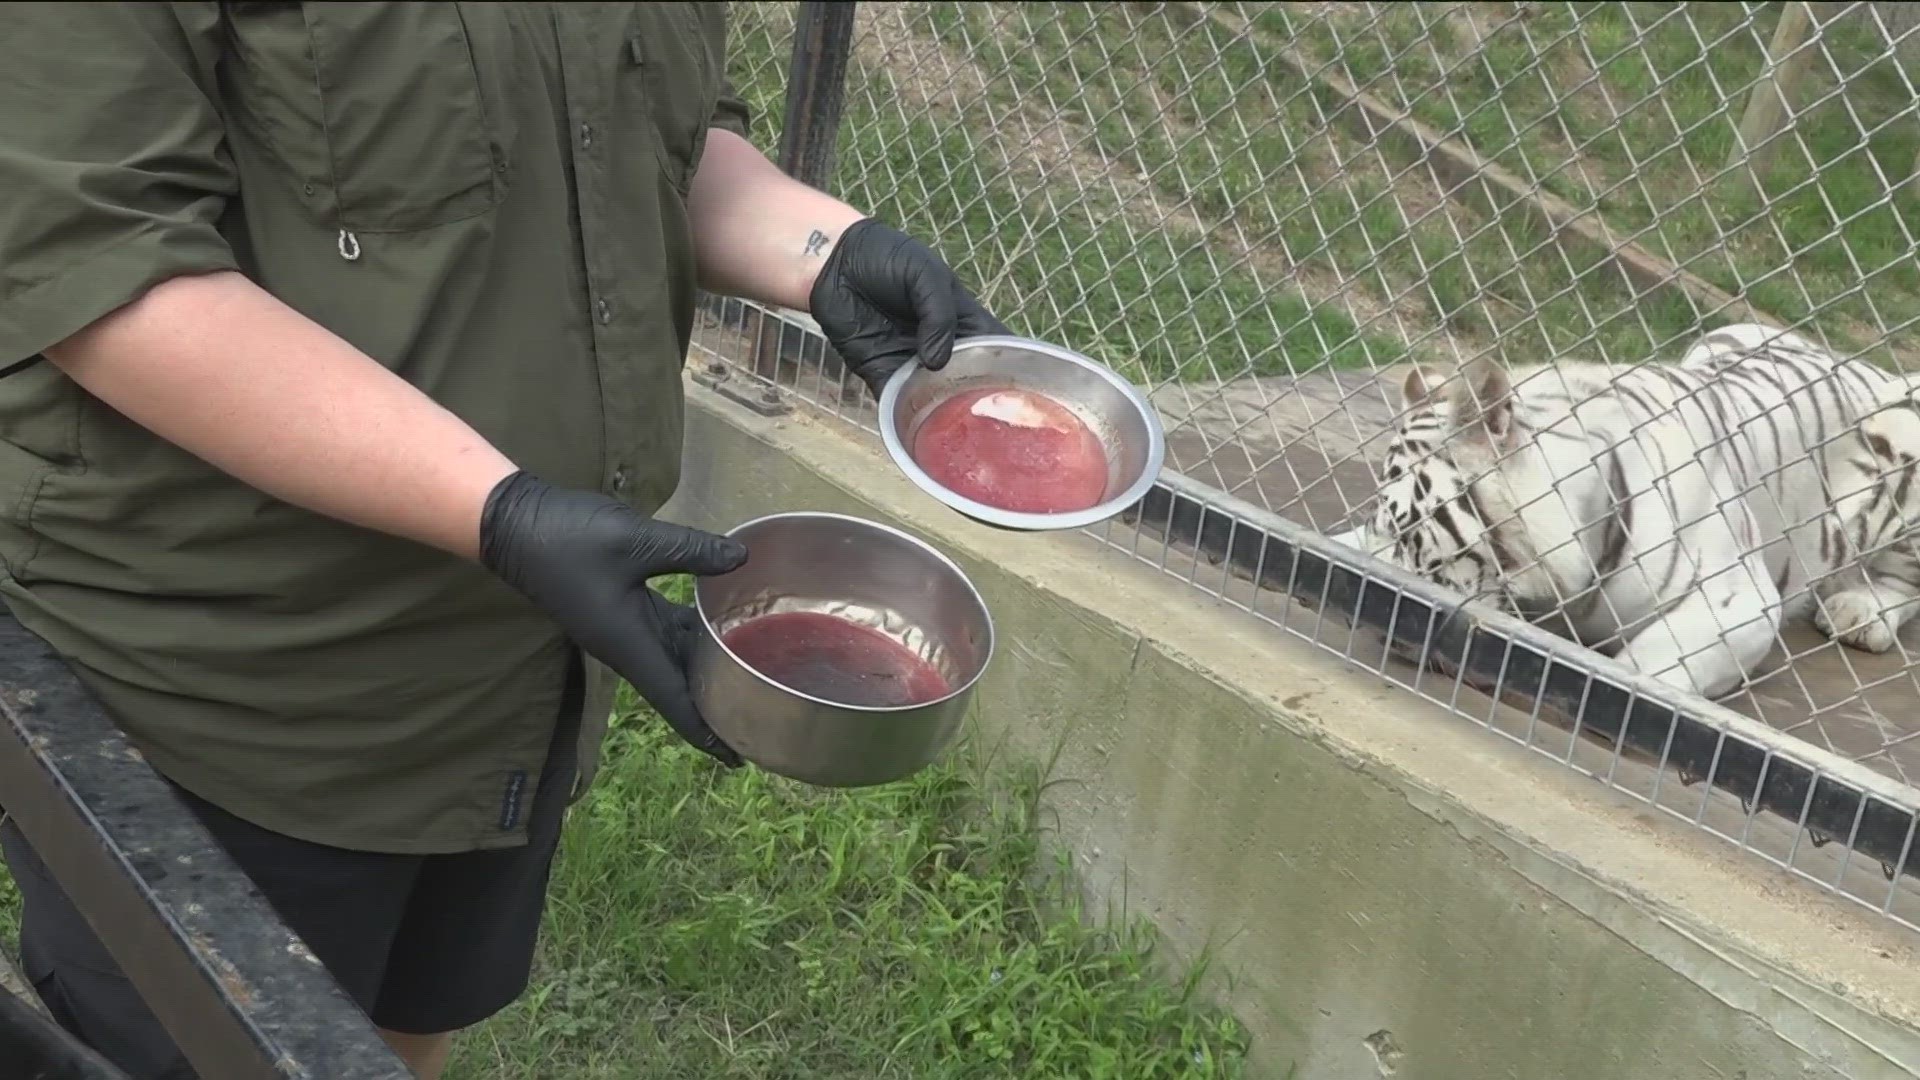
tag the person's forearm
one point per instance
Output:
(215, 365)
(759, 233)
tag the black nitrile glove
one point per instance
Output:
(585, 560)
(883, 296)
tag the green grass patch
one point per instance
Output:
(1212, 116)
(1632, 108)
(1622, 107)
(9, 913)
(742, 926)
(1075, 267)
(1210, 119)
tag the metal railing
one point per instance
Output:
(237, 991)
(1268, 213)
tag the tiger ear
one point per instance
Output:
(1418, 385)
(1482, 400)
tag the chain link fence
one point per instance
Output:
(1269, 213)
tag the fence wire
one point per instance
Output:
(1584, 225)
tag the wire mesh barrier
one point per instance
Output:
(1465, 323)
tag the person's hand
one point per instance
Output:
(883, 296)
(585, 560)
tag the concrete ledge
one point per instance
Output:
(1388, 890)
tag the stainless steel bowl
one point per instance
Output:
(859, 570)
(1119, 414)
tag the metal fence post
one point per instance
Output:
(1770, 108)
(816, 90)
(816, 97)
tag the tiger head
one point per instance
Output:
(1445, 511)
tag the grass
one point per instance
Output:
(1307, 248)
(1149, 91)
(1631, 108)
(9, 912)
(1150, 301)
(742, 926)
(733, 924)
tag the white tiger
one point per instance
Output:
(1668, 515)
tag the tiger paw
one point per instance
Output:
(1357, 537)
(1853, 618)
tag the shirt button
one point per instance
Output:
(586, 136)
(606, 313)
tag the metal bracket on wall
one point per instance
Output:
(764, 399)
(711, 375)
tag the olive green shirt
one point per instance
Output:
(488, 198)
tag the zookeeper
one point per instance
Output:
(343, 348)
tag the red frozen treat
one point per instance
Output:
(834, 659)
(1013, 450)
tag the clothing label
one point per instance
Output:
(510, 803)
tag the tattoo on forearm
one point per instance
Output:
(816, 243)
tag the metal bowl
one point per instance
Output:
(870, 574)
(1119, 414)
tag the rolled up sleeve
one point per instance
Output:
(730, 113)
(114, 170)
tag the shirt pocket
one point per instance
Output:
(677, 50)
(377, 114)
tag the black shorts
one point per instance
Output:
(423, 943)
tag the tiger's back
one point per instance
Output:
(1670, 514)
(1792, 403)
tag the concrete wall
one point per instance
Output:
(1389, 891)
